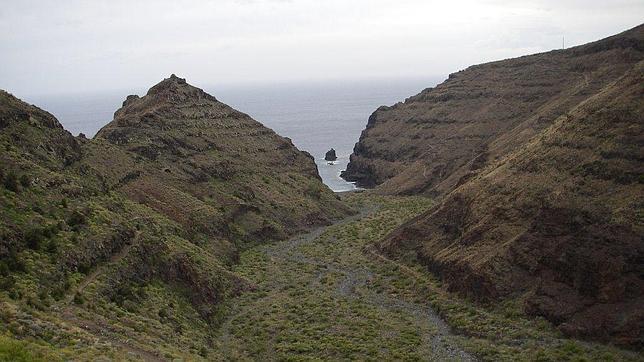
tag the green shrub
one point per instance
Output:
(14, 350)
(76, 219)
(13, 262)
(7, 282)
(4, 268)
(84, 268)
(34, 238)
(314, 191)
(11, 182)
(52, 246)
(25, 180)
(50, 230)
(79, 299)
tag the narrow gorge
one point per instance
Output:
(501, 221)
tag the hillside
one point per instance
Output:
(199, 160)
(443, 135)
(123, 245)
(538, 165)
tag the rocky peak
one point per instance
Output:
(15, 110)
(167, 94)
(175, 89)
(130, 99)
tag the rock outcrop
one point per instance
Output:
(537, 163)
(330, 155)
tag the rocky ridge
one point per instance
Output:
(537, 162)
(435, 140)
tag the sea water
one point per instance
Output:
(316, 116)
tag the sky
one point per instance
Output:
(68, 46)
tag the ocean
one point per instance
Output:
(317, 116)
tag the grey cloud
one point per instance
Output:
(85, 46)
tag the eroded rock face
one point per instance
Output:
(554, 223)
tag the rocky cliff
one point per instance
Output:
(538, 165)
(123, 245)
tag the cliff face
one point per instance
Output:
(132, 236)
(541, 203)
(444, 135)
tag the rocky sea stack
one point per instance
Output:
(330, 155)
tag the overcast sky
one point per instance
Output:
(87, 46)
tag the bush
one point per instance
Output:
(76, 219)
(14, 350)
(7, 282)
(84, 268)
(314, 191)
(51, 230)
(25, 180)
(52, 246)
(34, 238)
(11, 182)
(79, 299)
(13, 262)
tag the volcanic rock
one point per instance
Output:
(330, 155)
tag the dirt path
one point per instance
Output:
(296, 268)
(96, 326)
(91, 277)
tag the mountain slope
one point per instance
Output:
(554, 222)
(442, 136)
(123, 245)
(199, 160)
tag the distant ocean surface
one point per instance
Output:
(316, 116)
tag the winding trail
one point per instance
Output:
(91, 277)
(96, 326)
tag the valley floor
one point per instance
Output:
(328, 295)
(323, 295)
